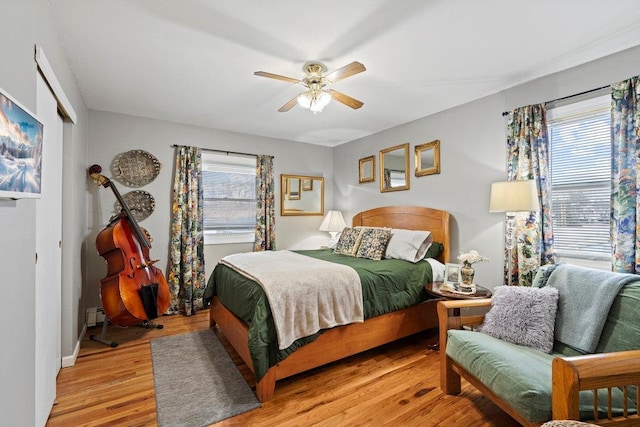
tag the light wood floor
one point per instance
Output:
(394, 385)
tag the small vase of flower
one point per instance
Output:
(467, 271)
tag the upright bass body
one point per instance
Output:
(134, 290)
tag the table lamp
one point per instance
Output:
(333, 223)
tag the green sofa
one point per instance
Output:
(535, 387)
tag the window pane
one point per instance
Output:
(229, 192)
(580, 184)
(229, 215)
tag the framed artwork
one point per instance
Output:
(367, 169)
(20, 150)
(452, 274)
(307, 184)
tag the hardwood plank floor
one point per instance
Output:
(395, 385)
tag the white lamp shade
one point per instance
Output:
(333, 222)
(514, 196)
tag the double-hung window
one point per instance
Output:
(229, 193)
(580, 170)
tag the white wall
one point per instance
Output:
(472, 155)
(112, 134)
(25, 24)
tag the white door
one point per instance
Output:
(48, 297)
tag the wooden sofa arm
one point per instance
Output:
(449, 317)
(590, 372)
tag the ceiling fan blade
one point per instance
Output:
(347, 71)
(277, 77)
(289, 105)
(346, 99)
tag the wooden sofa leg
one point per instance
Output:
(449, 379)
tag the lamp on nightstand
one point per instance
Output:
(512, 197)
(333, 223)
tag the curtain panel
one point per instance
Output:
(528, 159)
(186, 277)
(625, 201)
(265, 232)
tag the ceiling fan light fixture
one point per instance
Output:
(317, 96)
(324, 98)
(304, 100)
(314, 100)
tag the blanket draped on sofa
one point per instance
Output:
(586, 296)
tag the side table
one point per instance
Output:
(433, 288)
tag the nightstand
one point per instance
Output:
(433, 288)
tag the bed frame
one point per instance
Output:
(343, 341)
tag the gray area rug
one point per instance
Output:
(196, 382)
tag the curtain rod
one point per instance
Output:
(221, 151)
(568, 96)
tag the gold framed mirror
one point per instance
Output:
(301, 195)
(367, 168)
(394, 168)
(427, 158)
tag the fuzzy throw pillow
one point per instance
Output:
(523, 315)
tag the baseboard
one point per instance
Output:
(68, 361)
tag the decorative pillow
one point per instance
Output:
(408, 245)
(542, 275)
(349, 241)
(373, 243)
(523, 315)
(434, 250)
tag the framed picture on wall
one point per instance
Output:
(20, 150)
(366, 168)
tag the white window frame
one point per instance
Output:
(595, 105)
(210, 160)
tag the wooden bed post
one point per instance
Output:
(267, 385)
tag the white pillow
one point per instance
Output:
(408, 245)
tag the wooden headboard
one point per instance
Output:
(410, 218)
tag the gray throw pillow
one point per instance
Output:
(523, 315)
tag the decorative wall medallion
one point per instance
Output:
(138, 167)
(140, 203)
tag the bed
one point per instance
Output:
(341, 341)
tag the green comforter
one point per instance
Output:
(387, 285)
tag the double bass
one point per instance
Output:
(134, 291)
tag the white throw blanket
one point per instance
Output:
(305, 294)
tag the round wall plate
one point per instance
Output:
(140, 203)
(138, 167)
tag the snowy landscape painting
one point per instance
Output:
(20, 150)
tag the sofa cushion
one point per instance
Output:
(519, 375)
(523, 315)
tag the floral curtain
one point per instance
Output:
(265, 239)
(186, 261)
(528, 158)
(625, 202)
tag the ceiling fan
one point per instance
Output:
(317, 96)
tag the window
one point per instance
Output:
(229, 193)
(580, 169)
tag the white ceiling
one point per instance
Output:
(192, 61)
